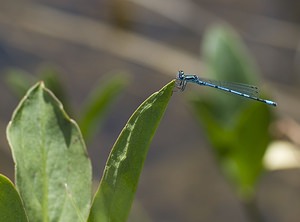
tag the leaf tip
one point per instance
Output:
(41, 84)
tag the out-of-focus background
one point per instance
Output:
(84, 41)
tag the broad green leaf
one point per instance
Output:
(53, 171)
(11, 208)
(117, 188)
(99, 101)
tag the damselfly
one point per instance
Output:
(244, 90)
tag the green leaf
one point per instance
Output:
(115, 194)
(53, 171)
(11, 208)
(99, 101)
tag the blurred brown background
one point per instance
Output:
(151, 40)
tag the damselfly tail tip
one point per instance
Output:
(269, 102)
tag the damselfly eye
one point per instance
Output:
(180, 74)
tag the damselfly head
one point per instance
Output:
(180, 75)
